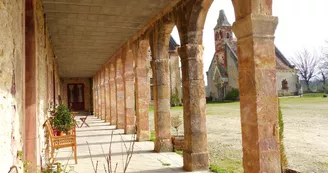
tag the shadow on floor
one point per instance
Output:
(102, 155)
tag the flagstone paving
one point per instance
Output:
(98, 136)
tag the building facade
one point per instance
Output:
(175, 74)
(222, 75)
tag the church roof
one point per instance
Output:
(173, 44)
(283, 59)
(282, 62)
(222, 20)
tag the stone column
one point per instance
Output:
(160, 64)
(30, 117)
(258, 94)
(142, 91)
(94, 95)
(119, 94)
(107, 94)
(195, 154)
(190, 19)
(129, 127)
(112, 85)
(103, 96)
(99, 96)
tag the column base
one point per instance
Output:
(195, 161)
(119, 126)
(163, 145)
(143, 136)
(130, 129)
(113, 123)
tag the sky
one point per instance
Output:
(303, 24)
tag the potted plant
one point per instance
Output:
(178, 141)
(62, 121)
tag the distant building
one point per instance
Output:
(175, 71)
(222, 75)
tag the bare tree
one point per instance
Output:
(324, 64)
(307, 64)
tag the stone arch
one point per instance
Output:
(159, 37)
(256, 60)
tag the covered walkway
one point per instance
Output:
(98, 135)
(92, 55)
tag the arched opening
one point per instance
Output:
(159, 40)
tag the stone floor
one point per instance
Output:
(98, 136)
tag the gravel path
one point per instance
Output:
(306, 134)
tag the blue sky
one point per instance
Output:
(302, 24)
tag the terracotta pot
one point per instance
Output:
(62, 133)
(55, 132)
(178, 142)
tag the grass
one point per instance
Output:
(313, 95)
(180, 152)
(164, 163)
(226, 165)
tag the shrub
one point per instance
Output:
(232, 95)
(175, 101)
(62, 121)
(176, 122)
(284, 162)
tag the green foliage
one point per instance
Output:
(62, 121)
(313, 95)
(284, 162)
(151, 108)
(25, 165)
(180, 152)
(217, 169)
(232, 95)
(175, 101)
(152, 136)
(164, 163)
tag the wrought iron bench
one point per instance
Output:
(57, 142)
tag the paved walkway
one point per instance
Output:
(98, 136)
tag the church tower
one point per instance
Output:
(222, 35)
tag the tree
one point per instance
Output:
(307, 64)
(324, 64)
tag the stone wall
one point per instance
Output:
(292, 79)
(212, 90)
(175, 76)
(46, 71)
(87, 91)
(11, 82)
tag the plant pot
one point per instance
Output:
(178, 142)
(55, 132)
(290, 171)
(62, 133)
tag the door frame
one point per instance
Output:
(68, 95)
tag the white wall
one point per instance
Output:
(291, 77)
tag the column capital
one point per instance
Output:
(255, 25)
(129, 75)
(188, 51)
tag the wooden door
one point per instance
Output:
(75, 93)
